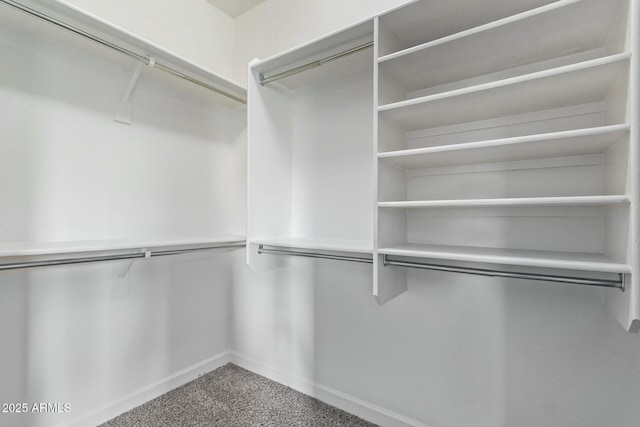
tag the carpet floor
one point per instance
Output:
(231, 396)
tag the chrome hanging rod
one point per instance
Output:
(146, 60)
(115, 257)
(618, 284)
(262, 250)
(264, 80)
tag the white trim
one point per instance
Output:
(351, 404)
(149, 392)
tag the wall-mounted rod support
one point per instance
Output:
(262, 250)
(264, 80)
(113, 257)
(618, 284)
(146, 60)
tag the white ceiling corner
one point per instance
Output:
(234, 8)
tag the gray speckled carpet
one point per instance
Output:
(231, 396)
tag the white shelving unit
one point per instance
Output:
(510, 141)
(506, 135)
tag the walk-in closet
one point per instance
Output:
(284, 212)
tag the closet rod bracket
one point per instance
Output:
(127, 268)
(123, 111)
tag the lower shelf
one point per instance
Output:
(544, 259)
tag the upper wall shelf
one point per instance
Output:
(550, 32)
(575, 84)
(331, 44)
(82, 23)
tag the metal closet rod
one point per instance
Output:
(618, 284)
(146, 60)
(115, 257)
(264, 80)
(262, 250)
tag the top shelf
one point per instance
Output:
(318, 49)
(424, 21)
(567, 27)
(88, 23)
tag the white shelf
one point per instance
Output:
(422, 21)
(511, 202)
(337, 245)
(24, 249)
(575, 84)
(326, 46)
(557, 144)
(87, 22)
(542, 34)
(543, 259)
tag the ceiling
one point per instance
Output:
(234, 8)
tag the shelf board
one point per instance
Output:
(518, 257)
(321, 244)
(557, 144)
(575, 84)
(87, 22)
(511, 202)
(422, 21)
(545, 33)
(25, 249)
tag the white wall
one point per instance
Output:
(277, 25)
(68, 171)
(453, 351)
(194, 29)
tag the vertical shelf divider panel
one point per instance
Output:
(529, 164)
(388, 283)
(626, 306)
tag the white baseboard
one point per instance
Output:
(346, 402)
(149, 392)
